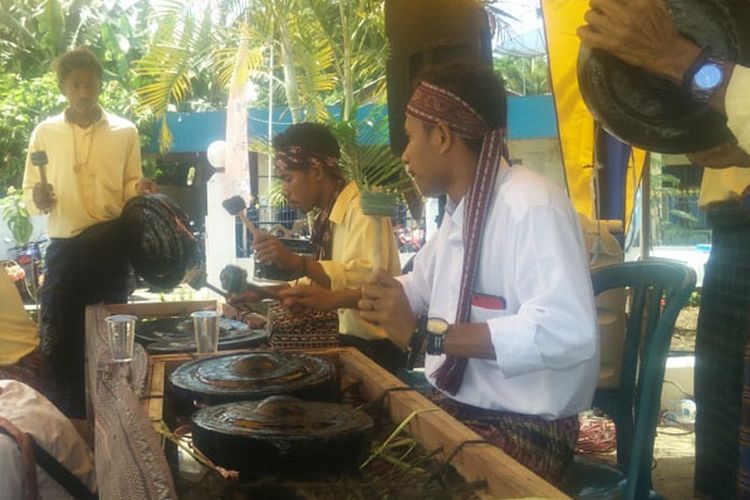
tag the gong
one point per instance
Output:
(651, 112)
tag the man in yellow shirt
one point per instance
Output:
(641, 33)
(94, 167)
(348, 243)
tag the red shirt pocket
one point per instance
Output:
(492, 302)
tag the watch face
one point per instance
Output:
(437, 326)
(709, 76)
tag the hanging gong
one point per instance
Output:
(651, 112)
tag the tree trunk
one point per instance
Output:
(290, 71)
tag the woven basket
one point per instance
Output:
(315, 330)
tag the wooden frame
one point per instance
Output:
(430, 426)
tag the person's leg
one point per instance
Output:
(719, 349)
(544, 446)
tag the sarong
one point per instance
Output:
(544, 446)
(719, 352)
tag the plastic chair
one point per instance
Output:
(658, 289)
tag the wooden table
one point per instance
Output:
(433, 428)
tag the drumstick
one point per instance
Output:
(236, 206)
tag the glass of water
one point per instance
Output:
(121, 336)
(206, 325)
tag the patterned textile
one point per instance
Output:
(129, 459)
(720, 344)
(30, 370)
(544, 446)
(311, 331)
(432, 104)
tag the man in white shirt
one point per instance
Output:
(641, 33)
(505, 279)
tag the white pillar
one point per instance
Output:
(221, 239)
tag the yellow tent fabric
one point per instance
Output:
(575, 123)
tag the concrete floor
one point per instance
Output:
(674, 454)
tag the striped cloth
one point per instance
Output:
(720, 346)
(544, 446)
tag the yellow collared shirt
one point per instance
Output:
(93, 171)
(360, 244)
(18, 334)
(723, 184)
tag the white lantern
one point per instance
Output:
(216, 154)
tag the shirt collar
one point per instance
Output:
(456, 210)
(103, 117)
(346, 195)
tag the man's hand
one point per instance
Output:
(243, 298)
(724, 155)
(384, 303)
(269, 249)
(146, 186)
(44, 197)
(309, 297)
(641, 33)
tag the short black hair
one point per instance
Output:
(312, 137)
(78, 58)
(477, 84)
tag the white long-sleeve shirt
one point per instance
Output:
(533, 261)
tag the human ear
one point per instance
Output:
(444, 136)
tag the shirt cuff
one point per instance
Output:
(515, 346)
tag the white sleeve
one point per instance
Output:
(418, 283)
(737, 105)
(11, 470)
(554, 327)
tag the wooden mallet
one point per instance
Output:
(236, 206)
(39, 159)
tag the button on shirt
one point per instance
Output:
(533, 260)
(92, 170)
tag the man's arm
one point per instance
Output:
(641, 33)
(133, 177)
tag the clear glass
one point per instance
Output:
(206, 325)
(121, 336)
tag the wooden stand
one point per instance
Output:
(434, 429)
(431, 427)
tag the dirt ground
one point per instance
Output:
(674, 447)
(683, 337)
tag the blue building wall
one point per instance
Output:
(530, 117)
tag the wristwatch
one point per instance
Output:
(437, 328)
(704, 76)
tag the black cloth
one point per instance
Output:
(719, 352)
(383, 352)
(87, 269)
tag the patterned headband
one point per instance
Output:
(431, 104)
(298, 158)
